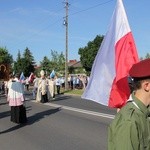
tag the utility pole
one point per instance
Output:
(66, 53)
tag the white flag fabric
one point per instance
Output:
(108, 83)
(22, 77)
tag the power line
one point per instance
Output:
(91, 7)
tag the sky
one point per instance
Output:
(38, 25)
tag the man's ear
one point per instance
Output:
(146, 85)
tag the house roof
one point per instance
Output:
(76, 64)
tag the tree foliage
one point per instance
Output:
(18, 64)
(45, 64)
(24, 63)
(56, 62)
(5, 57)
(28, 62)
(88, 53)
(146, 56)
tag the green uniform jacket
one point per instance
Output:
(130, 130)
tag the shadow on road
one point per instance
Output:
(4, 103)
(38, 116)
(61, 98)
(4, 114)
(32, 119)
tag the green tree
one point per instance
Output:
(5, 57)
(56, 62)
(28, 62)
(45, 64)
(147, 55)
(18, 65)
(88, 53)
(61, 63)
(24, 63)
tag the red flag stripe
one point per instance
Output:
(125, 57)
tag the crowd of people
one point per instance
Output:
(77, 81)
(43, 89)
(49, 86)
(53, 85)
(131, 123)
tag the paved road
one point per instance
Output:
(77, 102)
(53, 126)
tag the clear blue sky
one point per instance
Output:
(38, 25)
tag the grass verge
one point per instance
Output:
(78, 92)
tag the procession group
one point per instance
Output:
(45, 87)
(43, 90)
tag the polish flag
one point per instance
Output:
(108, 83)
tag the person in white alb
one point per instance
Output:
(42, 92)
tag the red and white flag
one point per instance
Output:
(31, 77)
(108, 84)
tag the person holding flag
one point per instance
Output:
(31, 77)
(108, 83)
(130, 130)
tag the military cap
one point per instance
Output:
(140, 69)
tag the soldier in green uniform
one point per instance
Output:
(130, 130)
